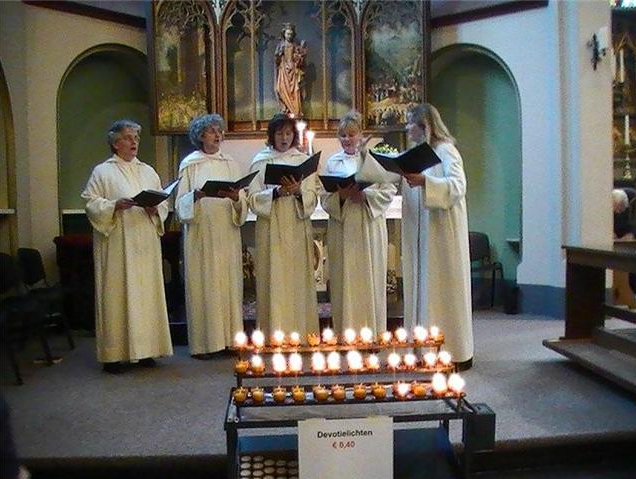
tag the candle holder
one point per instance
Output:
(258, 395)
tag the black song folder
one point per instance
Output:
(148, 198)
(332, 183)
(414, 160)
(213, 187)
(274, 171)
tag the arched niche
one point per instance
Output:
(479, 100)
(7, 170)
(101, 85)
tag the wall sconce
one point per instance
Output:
(598, 44)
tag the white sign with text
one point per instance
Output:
(346, 448)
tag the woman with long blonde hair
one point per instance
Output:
(435, 254)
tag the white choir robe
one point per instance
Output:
(213, 260)
(357, 245)
(131, 320)
(285, 284)
(435, 254)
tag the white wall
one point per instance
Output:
(565, 120)
(37, 45)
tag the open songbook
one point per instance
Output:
(213, 187)
(414, 160)
(332, 183)
(148, 198)
(274, 171)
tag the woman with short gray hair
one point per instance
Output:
(131, 321)
(212, 241)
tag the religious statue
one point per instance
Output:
(290, 62)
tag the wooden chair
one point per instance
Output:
(21, 315)
(51, 297)
(481, 260)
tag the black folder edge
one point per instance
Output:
(393, 163)
(341, 181)
(149, 198)
(215, 186)
(275, 171)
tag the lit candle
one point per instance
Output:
(349, 336)
(621, 66)
(394, 360)
(333, 361)
(354, 360)
(318, 363)
(401, 335)
(373, 362)
(444, 357)
(439, 384)
(410, 360)
(327, 335)
(420, 334)
(430, 359)
(435, 333)
(628, 140)
(258, 338)
(294, 338)
(256, 364)
(456, 383)
(386, 336)
(240, 340)
(295, 362)
(402, 390)
(366, 335)
(279, 363)
(278, 338)
(310, 142)
(300, 126)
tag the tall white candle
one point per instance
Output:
(300, 126)
(310, 142)
(628, 140)
(621, 65)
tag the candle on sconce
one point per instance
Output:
(456, 383)
(310, 142)
(295, 363)
(401, 335)
(240, 339)
(333, 361)
(349, 336)
(430, 359)
(394, 360)
(409, 360)
(444, 357)
(366, 335)
(373, 362)
(354, 360)
(385, 337)
(318, 362)
(279, 363)
(258, 338)
(420, 334)
(439, 384)
(300, 126)
(278, 338)
(294, 338)
(435, 333)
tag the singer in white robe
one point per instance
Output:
(435, 253)
(131, 320)
(212, 252)
(285, 284)
(356, 240)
